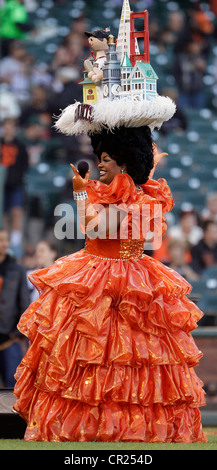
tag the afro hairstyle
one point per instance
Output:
(129, 145)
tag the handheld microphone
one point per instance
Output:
(83, 168)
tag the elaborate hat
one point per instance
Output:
(127, 94)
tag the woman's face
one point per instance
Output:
(108, 168)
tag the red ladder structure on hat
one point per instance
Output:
(139, 34)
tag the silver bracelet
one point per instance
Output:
(81, 196)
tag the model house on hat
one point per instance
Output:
(139, 81)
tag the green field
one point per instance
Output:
(17, 444)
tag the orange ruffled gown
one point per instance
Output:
(111, 355)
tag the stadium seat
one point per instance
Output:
(210, 273)
(198, 289)
(44, 186)
(195, 198)
(208, 304)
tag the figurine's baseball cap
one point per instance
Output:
(98, 33)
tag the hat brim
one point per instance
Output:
(88, 34)
(115, 113)
(100, 36)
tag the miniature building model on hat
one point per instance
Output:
(111, 81)
(89, 88)
(123, 40)
(127, 90)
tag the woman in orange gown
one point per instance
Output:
(111, 355)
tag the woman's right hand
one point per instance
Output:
(79, 183)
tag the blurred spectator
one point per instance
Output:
(28, 259)
(162, 253)
(74, 43)
(45, 255)
(34, 137)
(176, 22)
(210, 389)
(174, 26)
(70, 53)
(14, 23)
(201, 27)
(187, 229)
(80, 25)
(14, 300)
(67, 91)
(204, 254)
(15, 157)
(189, 68)
(198, 28)
(86, 152)
(62, 58)
(154, 31)
(40, 74)
(213, 6)
(14, 70)
(177, 254)
(210, 211)
(178, 122)
(9, 106)
(13, 63)
(37, 107)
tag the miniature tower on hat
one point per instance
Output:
(123, 40)
(138, 78)
(111, 82)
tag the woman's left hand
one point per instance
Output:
(157, 158)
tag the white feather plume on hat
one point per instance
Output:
(109, 114)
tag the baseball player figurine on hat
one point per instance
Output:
(98, 42)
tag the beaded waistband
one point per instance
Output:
(115, 249)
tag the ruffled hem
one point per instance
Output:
(95, 384)
(54, 418)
